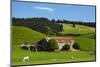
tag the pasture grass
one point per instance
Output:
(50, 57)
(22, 34)
(86, 41)
(78, 29)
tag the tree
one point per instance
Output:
(53, 44)
(74, 25)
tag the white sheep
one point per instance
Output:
(26, 59)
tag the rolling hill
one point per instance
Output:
(22, 34)
(79, 29)
(82, 34)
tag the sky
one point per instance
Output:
(53, 11)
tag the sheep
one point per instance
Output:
(26, 59)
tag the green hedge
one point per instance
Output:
(76, 45)
(66, 47)
(53, 44)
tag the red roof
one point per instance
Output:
(63, 40)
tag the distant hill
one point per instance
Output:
(22, 34)
(79, 29)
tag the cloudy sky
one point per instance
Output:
(53, 11)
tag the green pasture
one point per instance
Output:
(85, 39)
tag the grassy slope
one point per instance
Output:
(85, 41)
(21, 34)
(79, 29)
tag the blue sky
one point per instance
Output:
(53, 11)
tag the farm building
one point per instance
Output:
(66, 43)
(41, 45)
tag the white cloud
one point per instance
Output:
(44, 8)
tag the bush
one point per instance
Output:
(53, 44)
(76, 46)
(66, 47)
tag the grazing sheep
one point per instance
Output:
(26, 59)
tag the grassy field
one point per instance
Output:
(50, 57)
(79, 29)
(84, 35)
(21, 35)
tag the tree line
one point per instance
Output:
(45, 25)
(91, 24)
(42, 25)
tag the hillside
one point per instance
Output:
(84, 35)
(43, 25)
(79, 29)
(21, 35)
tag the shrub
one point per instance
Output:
(76, 45)
(53, 44)
(66, 47)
